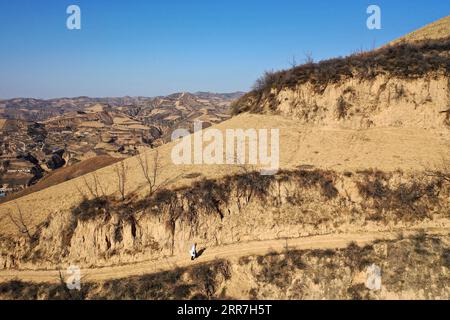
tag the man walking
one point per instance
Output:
(193, 251)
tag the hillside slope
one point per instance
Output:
(65, 174)
(437, 30)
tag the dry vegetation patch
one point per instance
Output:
(404, 61)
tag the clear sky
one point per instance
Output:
(155, 47)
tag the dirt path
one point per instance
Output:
(332, 241)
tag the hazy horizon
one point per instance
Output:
(120, 97)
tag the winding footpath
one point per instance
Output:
(330, 241)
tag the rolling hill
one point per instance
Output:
(364, 179)
(82, 128)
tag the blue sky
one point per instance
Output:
(148, 48)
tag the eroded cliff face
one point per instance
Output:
(235, 209)
(362, 103)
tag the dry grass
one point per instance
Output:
(436, 30)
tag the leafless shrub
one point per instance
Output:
(293, 62)
(81, 192)
(400, 92)
(121, 171)
(63, 285)
(22, 226)
(152, 172)
(407, 200)
(266, 81)
(317, 177)
(210, 276)
(309, 57)
(342, 108)
(95, 188)
(89, 209)
(358, 257)
(278, 269)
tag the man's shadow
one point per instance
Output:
(200, 252)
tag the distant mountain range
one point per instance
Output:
(31, 109)
(61, 132)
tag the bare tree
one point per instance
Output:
(293, 62)
(19, 222)
(150, 173)
(359, 51)
(95, 188)
(121, 171)
(309, 57)
(82, 194)
(98, 185)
